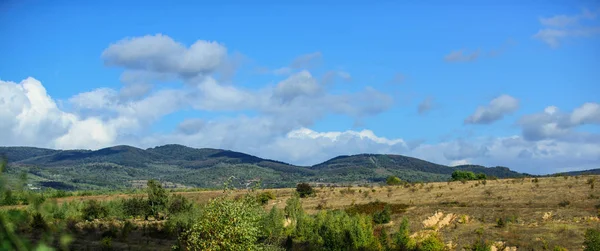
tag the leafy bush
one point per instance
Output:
(136, 206)
(157, 198)
(431, 243)
(481, 176)
(264, 197)
(383, 216)
(304, 190)
(592, 240)
(273, 231)
(402, 239)
(393, 181)
(463, 175)
(94, 210)
(480, 245)
(178, 203)
(226, 224)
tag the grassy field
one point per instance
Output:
(526, 213)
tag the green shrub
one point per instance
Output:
(93, 210)
(136, 206)
(463, 175)
(481, 176)
(431, 243)
(402, 238)
(178, 203)
(157, 198)
(273, 231)
(264, 197)
(304, 190)
(393, 181)
(480, 245)
(226, 224)
(384, 216)
(592, 240)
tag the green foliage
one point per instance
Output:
(592, 240)
(273, 231)
(480, 245)
(384, 239)
(136, 206)
(431, 243)
(94, 210)
(177, 204)
(481, 176)
(393, 181)
(264, 197)
(12, 220)
(157, 198)
(402, 239)
(559, 248)
(304, 190)
(226, 224)
(463, 175)
(384, 216)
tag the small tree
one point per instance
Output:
(304, 190)
(463, 175)
(403, 241)
(384, 216)
(393, 181)
(157, 198)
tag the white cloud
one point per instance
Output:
(560, 27)
(496, 110)
(554, 124)
(161, 54)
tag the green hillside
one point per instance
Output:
(115, 167)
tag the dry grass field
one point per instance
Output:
(528, 213)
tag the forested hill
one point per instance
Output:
(118, 166)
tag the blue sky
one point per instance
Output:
(304, 82)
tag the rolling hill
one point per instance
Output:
(117, 166)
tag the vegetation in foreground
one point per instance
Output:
(256, 220)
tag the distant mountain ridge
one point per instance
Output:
(115, 167)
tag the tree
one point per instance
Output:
(463, 175)
(304, 190)
(403, 241)
(226, 224)
(157, 198)
(393, 181)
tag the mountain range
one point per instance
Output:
(116, 167)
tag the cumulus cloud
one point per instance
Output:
(161, 54)
(560, 27)
(331, 76)
(495, 110)
(555, 124)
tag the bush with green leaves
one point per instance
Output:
(592, 240)
(226, 224)
(264, 197)
(94, 210)
(463, 175)
(157, 198)
(136, 207)
(432, 242)
(178, 203)
(384, 216)
(402, 240)
(304, 190)
(393, 181)
(273, 230)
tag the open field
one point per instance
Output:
(535, 213)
